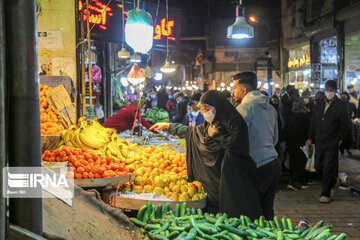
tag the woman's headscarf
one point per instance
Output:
(224, 109)
(298, 106)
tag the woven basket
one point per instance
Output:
(49, 142)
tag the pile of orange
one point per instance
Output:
(48, 117)
(164, 161)
(85, 165)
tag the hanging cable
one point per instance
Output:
(123, 22)
(167, 21)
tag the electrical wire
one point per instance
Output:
(167, 39)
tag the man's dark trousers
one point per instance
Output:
(327, 164)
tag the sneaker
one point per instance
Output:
(304, 187)
(324, 199)
(293, 188)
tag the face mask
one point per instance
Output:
(209, 116)
(306, 100)
(330, 95)
(170, 96)
(153, 96)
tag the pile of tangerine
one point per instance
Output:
(85, 165)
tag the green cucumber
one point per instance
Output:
(280, 235)
(166, 209)
(177, 210)
(272, 224)
(220, 220)
(293, 236)
(278, 223)
(206, 229)
(164, 227)
(158, 212)
(138, 222)
(183, 209)
(182, 235)
(193, 211)
(235, 223)
(191, 235)
(172, 235)
(234, 230)
(187, 212)
(262, 221)
(284, 223)
(156, 236)
(289, 224)
(268, 233)
(247, 220)
(235, 237)
(141, 212)
(304, 233)
(147, 212)
(200, 212)
(151, 227)
(209, 218)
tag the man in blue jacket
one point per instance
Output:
(329, 126)
(261, 119)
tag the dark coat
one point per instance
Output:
(333, 126)
(296, 129)
(181, 111)
(222, 162)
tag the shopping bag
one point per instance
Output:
(309, 151)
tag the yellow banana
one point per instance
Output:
(90, 141)
(67, 136)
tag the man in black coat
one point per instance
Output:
(329, 126)
(181, 108)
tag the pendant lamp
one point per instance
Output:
(240, 28)
(139, 30)
(135, 58)
(168, 66)
(123, 53)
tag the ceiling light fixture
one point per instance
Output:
(135, 58)
(240, 28)
(168, 67)
(123, 53)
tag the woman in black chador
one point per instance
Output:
(218, 157)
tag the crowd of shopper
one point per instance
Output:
(238, 143)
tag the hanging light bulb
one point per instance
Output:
(136, 81)
(158, 76)
(277, 85)
(139, 30)
(135, 58)
(240, 28)
(123, 53)
(168, 67)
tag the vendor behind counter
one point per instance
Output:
(124, 118)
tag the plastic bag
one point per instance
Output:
(99, 112)
(309, 151)
(96, 74)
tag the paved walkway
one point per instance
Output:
(343, 213)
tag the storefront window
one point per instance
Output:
(352, 60)
(299, 67)
(328, 60)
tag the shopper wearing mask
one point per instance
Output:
(218, 156)
(296, 129)
(351, 110)
(162, 98)
(280, 146)
(194, 114)
(329, 126)
(181, 108)
(261, 119)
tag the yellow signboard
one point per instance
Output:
(299, 62)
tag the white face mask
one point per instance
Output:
(209, 116)
(306, 100)
(330, 95)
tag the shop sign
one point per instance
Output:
(106, 20)
(304, 60)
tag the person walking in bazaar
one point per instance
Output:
(262, 123)
(217, 155)
(124, 118)
(329, 126)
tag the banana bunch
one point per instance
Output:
(99, 140)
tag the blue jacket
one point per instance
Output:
(261, 119)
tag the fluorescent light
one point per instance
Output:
(277, 85)
(301, 90)
(222, 84)
(312, 85)
(272, 83)
(136, 81)
(232, 84)
(218, 88)
(322, 86)
(266, 85)
(240, 28)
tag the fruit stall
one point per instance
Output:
(151, 181)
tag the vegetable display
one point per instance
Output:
(157, 115)
(181, 223)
